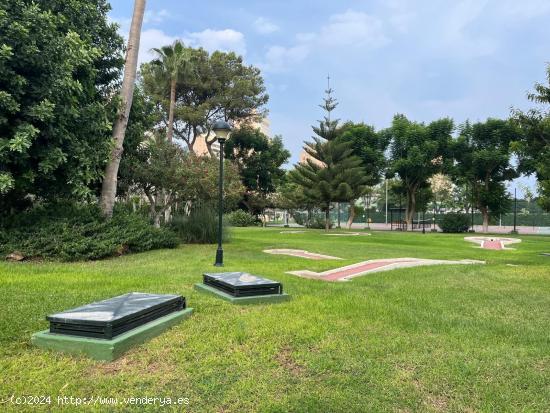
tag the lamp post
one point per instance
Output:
(222, 130)
(515, 230)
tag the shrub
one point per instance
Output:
(199, 227)
(240, 218)
(72, 233)
(454, 223)
(299, 217)
(317, 222)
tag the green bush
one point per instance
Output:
(74, 233)
(199, 227)
(317, 222)
(454, 223)
(299, 217)
(240, 218)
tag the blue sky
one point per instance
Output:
(466, 59)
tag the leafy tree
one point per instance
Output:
(370, 147)
(109, 186)
(442, 189)
(168, 175)
(483, 159)
(533, 146)
(171, 64)
(331, 173)
(417, 152)
(220, 86)
(259, 160)
(143, 118)
(59, 66)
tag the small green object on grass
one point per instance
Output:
(108, 350)
(257, 299)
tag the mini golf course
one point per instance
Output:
(348, 234)
(431, 338)
(301, 254)
(367, 267)
(493, 243)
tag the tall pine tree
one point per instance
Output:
(331, 173)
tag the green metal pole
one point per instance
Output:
(219, 252)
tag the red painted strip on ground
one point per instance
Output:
(359, 269)
(492, 245)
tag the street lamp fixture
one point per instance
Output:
(222, 130)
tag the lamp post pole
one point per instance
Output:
(472, 211)
(222, 130)
(515, 231)
(219, 252)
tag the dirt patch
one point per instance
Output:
(125, 365)
(284, 358)
(439, 404)
(110, 369)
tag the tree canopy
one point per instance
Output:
(331, 173)
(215, 86)
(259, 161)
(533, 147)
(417, 152)
(60, 63)
(483, 160)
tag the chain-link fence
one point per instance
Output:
(527, 220)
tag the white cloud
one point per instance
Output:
(349, 29)
(454, 34)
(211, 40)
(227, 40)
(353, 28)
(123, 24)
(153, 16)
(282, 59)
(265, 26)
(152, 38)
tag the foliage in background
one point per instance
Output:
(240, 218)
(311, 220)
(169, 176)
(172, 64)
(370, 147)
(533, 147)
(483, 160)
(454, 223)
(442, 189)
(71, 233)
(214, 86)
(199, 227)
(418, 152)
(331, 173)
(259, 160)
(59, 66)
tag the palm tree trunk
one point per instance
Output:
(170, 133)
(109, 185)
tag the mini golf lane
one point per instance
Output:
(372, 266)
(301, 254)
(493, 243)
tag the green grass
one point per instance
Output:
(443, 338)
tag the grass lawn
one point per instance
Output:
(442, 338)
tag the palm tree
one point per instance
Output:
(174, 61)
(109, 186)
